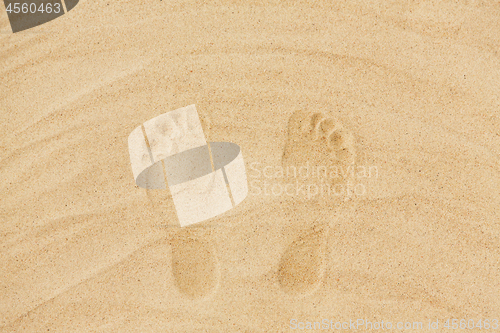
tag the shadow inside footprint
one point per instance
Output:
(302, 266)
(194, 265)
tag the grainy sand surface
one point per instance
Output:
(410, 87)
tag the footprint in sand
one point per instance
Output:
(302, 265)
(194, 263)
(322, 141)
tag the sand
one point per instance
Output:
(410, 89)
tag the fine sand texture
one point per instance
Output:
(390, 109)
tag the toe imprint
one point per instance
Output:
(313, 137)
(336, 139)
(316, 121)
(328, 126)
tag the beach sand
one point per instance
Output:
(410, 87)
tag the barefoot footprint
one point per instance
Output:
(302, 267)
(194, 264)
(322, 141)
